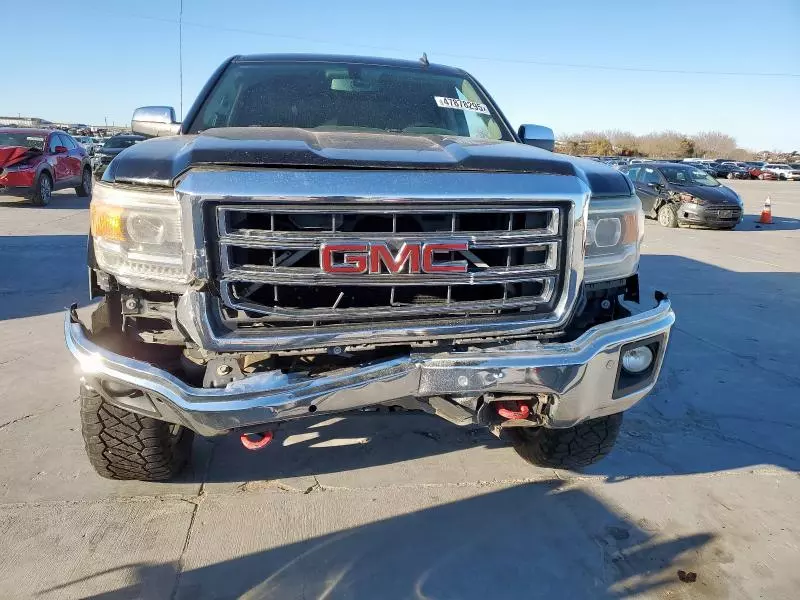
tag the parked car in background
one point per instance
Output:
(757, 171)
(736, 170)
(704, 167)
(782, 171)
(720, 171)
(682, 194)
(113, 146)
(36, 162)
(87, 143)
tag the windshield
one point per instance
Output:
(116, 143)
(688, 176)
(348, 97)
(26, 140)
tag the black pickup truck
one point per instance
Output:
(324, 234)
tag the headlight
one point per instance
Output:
(614, 234)
(137, 237)
(690, 199)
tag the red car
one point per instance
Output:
(758, 173)
(36, 162)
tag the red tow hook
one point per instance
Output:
(256, 441)
(522, 412)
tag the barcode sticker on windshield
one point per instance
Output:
(457, 104)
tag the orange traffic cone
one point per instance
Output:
(766, 213)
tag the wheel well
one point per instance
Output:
(45, 171)
(662, 201)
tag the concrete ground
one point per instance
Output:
(703, 481)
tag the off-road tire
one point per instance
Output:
(125, 445)
(85, 188)
(42, 190)
(572, 448)
(668, 215)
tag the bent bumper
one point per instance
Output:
(584, 376)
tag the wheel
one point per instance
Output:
(761, 177)
(42, 190)
(571, 448)
(125, 445)
(85, 188)
(730, 176)
(668, 216)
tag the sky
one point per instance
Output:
(573, 65)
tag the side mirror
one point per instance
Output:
(61, 150)
(155, 121)
(538, 135)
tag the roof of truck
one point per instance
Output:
(344, 58)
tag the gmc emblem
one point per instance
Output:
(353, 258)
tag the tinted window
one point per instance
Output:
(650, 176)
(345, 96)
(633, 172)
(688, 176)
(54, 141)
(68, 142)
(121, 142)
(25, 140)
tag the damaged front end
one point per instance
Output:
(231, 311)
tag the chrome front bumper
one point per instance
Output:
(584, 376)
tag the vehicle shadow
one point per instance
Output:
(41, 274)
(750, 223)
(317, 446)
(58, 201)
(543, 540)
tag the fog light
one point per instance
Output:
(637, 359)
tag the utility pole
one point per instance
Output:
(180, 52)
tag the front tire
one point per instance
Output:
(571, 448)
(125, 445)
(668, 216)
(42, 190)
(85, 188)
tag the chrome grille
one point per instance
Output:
(716, 209)
(268, 260)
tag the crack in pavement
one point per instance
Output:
(22, 418)
(32, 415)
(203, 495)
(197, 501)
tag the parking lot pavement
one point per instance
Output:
(703, 481)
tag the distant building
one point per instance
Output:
(24, 122)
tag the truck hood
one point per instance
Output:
(160, 161)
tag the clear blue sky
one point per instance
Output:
(115, 56)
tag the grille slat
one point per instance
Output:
(269, 260)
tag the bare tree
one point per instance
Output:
(663, 144)
(714, 144)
